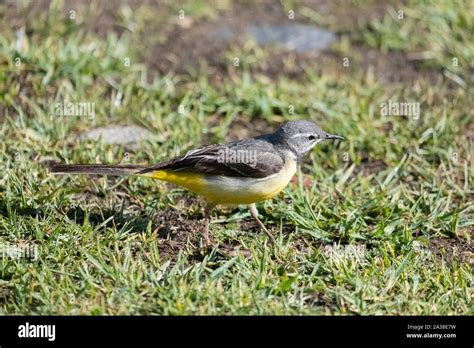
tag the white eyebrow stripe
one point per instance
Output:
(301, 135)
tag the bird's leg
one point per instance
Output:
(254, 213)
(207, 220)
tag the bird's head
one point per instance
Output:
(300, 137)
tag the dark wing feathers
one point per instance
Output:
(261, 161)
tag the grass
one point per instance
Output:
(379, 224)
(444, 33)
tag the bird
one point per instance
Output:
(236, 173)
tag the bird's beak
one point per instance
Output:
(332, 136)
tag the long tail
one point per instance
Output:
(95, 169)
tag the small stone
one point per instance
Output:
(299, 38)
(122, 135)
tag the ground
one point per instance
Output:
(379, 224)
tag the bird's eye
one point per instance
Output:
(311, 138)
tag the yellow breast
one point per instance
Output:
(220, 189)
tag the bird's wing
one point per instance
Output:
(248, 158)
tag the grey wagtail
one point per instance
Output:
(239, 172)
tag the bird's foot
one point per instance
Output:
(254, 213)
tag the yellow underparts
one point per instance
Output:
(229, 190)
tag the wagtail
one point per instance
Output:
(240, 172)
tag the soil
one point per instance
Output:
(187, 48)
(368, 167)
(239, 128)
(450, 249)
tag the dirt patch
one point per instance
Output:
(394, 66)
(345, 16)
(317, 299)
(242, 129)
(169, 45)
(187, 48)
(187, 45)
(450, 250)
(469, 132)
(386, 68)
(176, 232)
(369, 167)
